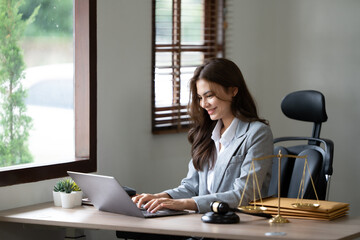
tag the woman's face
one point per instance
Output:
(218, 105)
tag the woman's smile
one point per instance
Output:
(211, 111)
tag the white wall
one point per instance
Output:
(280, 45)
(289, 45)
(126, 147)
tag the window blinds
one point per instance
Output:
(185, 34)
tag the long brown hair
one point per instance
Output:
(225, 73)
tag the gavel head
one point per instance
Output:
(220, 213)
(219, 207)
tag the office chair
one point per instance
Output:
(306, 106)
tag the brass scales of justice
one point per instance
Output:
(299, 200)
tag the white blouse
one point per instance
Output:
(225, 139)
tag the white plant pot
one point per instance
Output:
(57, 199)
(68, 200)
(78, 197)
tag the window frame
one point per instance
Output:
(179, 119)
(85, 64)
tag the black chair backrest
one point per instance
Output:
(304, 106)
(307, 105)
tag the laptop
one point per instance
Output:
(106, 194)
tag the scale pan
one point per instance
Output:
(305, 205)
(252, 209)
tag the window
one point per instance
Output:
(84, 158)
(185, 34)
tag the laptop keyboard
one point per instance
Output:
(164, 212)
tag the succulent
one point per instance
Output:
(59, 186)
(68, 185)
(76, 187)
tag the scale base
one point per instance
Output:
(278, 219)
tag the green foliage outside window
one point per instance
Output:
(55, 17)
(14, 123)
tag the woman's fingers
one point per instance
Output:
(157, 208)
(135, 199)
(160, 203)
(152, 205)
(142, 199)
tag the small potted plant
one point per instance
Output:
(79, 194)
(58, 188)
(67, 198)
(67, 193)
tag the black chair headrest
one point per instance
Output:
(307, 105)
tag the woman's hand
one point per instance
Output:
(155, 202)
(175, 204)
(146, 197)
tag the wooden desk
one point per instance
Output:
(87, 217)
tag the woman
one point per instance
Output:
(226, 135)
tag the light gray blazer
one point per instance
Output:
(252, 140)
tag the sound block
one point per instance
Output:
(227, 218)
